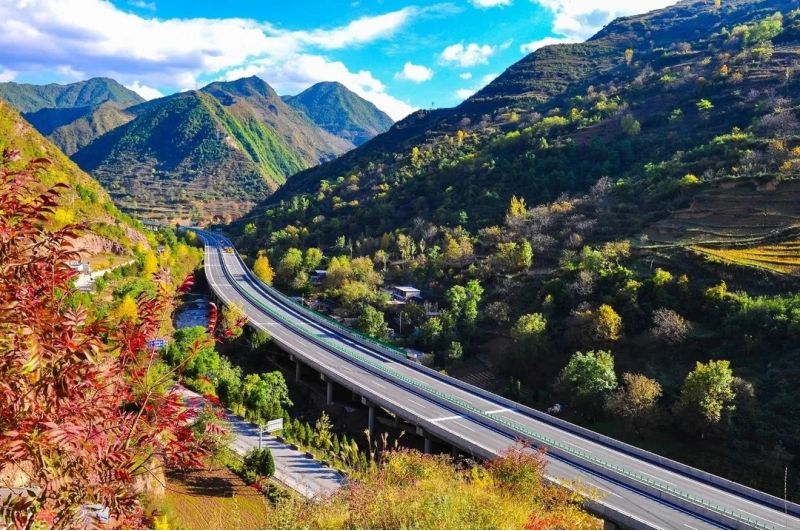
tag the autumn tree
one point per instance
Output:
(628, 56)
(528, 332)
(263, 270)
(290, 265)
(312, 258)
(86, 405)
(607, 324)
(636, 402)
(669, 326)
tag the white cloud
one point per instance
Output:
(547, 41)
(463, 94)
(485, 4)
(96, 38)
(141, 4)
(144, 91)
(488, 78)
(466, 56)
(7, 75)
(580, 19)
(466, 75)
(415, 73)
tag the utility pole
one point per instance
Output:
(260, 436)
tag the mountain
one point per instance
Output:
(341, 112)
(636, 194)
(73, 128)
(27, 98)
(207, 153)
(111, 232)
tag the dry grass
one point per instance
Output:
(216, 499)
(781, 258)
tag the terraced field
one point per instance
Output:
(781, 258)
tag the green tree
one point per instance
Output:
(192, 339)
(704, 108)
(474, 292)
(455, 352)
(233, 319)
(289, 266)
(630, 126)
(260, 462)
(707, 395)
(589, 378)
(432, 332)
(263, 270)
(259, 339)
(524, 254)
(250, 230)
(265, 396)
(372, 323)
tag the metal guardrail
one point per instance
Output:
(700, 502)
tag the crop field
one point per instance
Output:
(215, 499)
(781, 258)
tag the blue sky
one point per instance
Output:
(399, 54)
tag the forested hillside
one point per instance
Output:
(610, 225)
(96, 91)
(208, 153)
(338, 110)
(111, 232)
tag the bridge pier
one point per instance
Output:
(397, 421)
(428, 445)
(298, 369)
(453, 451)
(329, 394)
(370, 416)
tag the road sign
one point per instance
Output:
(157, 343)
(274, 425)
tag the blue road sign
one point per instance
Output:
(157, 343)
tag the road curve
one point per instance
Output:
(635, 490)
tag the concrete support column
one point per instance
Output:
(397, 421)
(330, 393)
(371, 420)
(454, 451)
(274, 357)
(298, 371)
(354, 397)
(428, 445)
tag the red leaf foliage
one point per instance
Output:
(82, 413)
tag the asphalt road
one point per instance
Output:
(293, 469)
(463, 430)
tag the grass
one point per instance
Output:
(781, 258)
(215, 499)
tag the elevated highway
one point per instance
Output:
(636, 489)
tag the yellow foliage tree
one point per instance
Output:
(460, 137)
(717, 3)
(607, 324)
(628, 56)
(127, 308)
(150, 265)
(263, 270)
(517, 208)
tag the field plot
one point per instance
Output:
(215, 499)
(781, 258)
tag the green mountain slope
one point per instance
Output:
(659, 165)
(341, 112)
(31, 98)
(73, 128)
(85, 202)
(208, 153)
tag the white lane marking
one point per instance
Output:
(503, 410)
(417, 403)
(440, 419)
(465, 427)
(601, 489)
